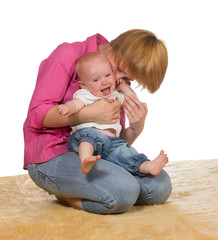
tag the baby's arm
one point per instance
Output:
(71, 107)
(124, 87)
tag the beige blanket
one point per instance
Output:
(28, 213)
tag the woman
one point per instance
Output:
(108, 188)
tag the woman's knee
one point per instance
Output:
(115, 198)
(155, 190)
(163, 189)
(127, 195)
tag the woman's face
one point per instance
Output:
(120, 72)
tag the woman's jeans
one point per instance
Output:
(106, 189)
(112, 149)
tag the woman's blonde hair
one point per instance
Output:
(144, 55)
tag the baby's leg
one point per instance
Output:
(154, 167)
(86, 157)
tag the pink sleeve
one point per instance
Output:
(53, 79)
(122, 118)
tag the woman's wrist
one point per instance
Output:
(129, 135)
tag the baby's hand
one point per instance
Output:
(64, 110)
(124, 87)
(120, 84)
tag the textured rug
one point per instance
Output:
(29, 213)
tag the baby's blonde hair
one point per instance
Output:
(88, 57)
(144, 55)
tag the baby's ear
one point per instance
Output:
(81, 84)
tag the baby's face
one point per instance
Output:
(98, 77)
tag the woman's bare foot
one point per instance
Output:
(154, 167)
(72, 202)
(88, 163)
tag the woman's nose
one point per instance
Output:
(118, 75)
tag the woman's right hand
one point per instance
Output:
(105, 111)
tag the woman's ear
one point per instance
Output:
(81, 84)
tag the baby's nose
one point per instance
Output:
(104, 81)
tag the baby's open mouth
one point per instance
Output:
(106, 91)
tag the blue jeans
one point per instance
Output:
(106, 189)
(112, 149)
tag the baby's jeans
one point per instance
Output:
(112, 149)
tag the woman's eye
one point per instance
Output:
(120, 70)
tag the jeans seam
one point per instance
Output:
(100, 200)
(47, 180)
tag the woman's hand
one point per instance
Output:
(102, 112)
(105, 111)
(136, 112)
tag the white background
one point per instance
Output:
(182, 116)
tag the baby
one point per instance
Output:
(94, 141)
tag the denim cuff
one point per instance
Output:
(94, 207)
(86, 137)
(142, 159)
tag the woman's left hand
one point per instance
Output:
(136, 112)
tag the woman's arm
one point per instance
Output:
(54, 76)
(71, 107)
(103, 112)
(136, 112)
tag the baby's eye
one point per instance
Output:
(95, 80)
(108, 75)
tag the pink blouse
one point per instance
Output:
(56, 84)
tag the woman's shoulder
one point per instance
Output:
(75, 50)
(68, 49)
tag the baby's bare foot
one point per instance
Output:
(154, 167)
(88, 163)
